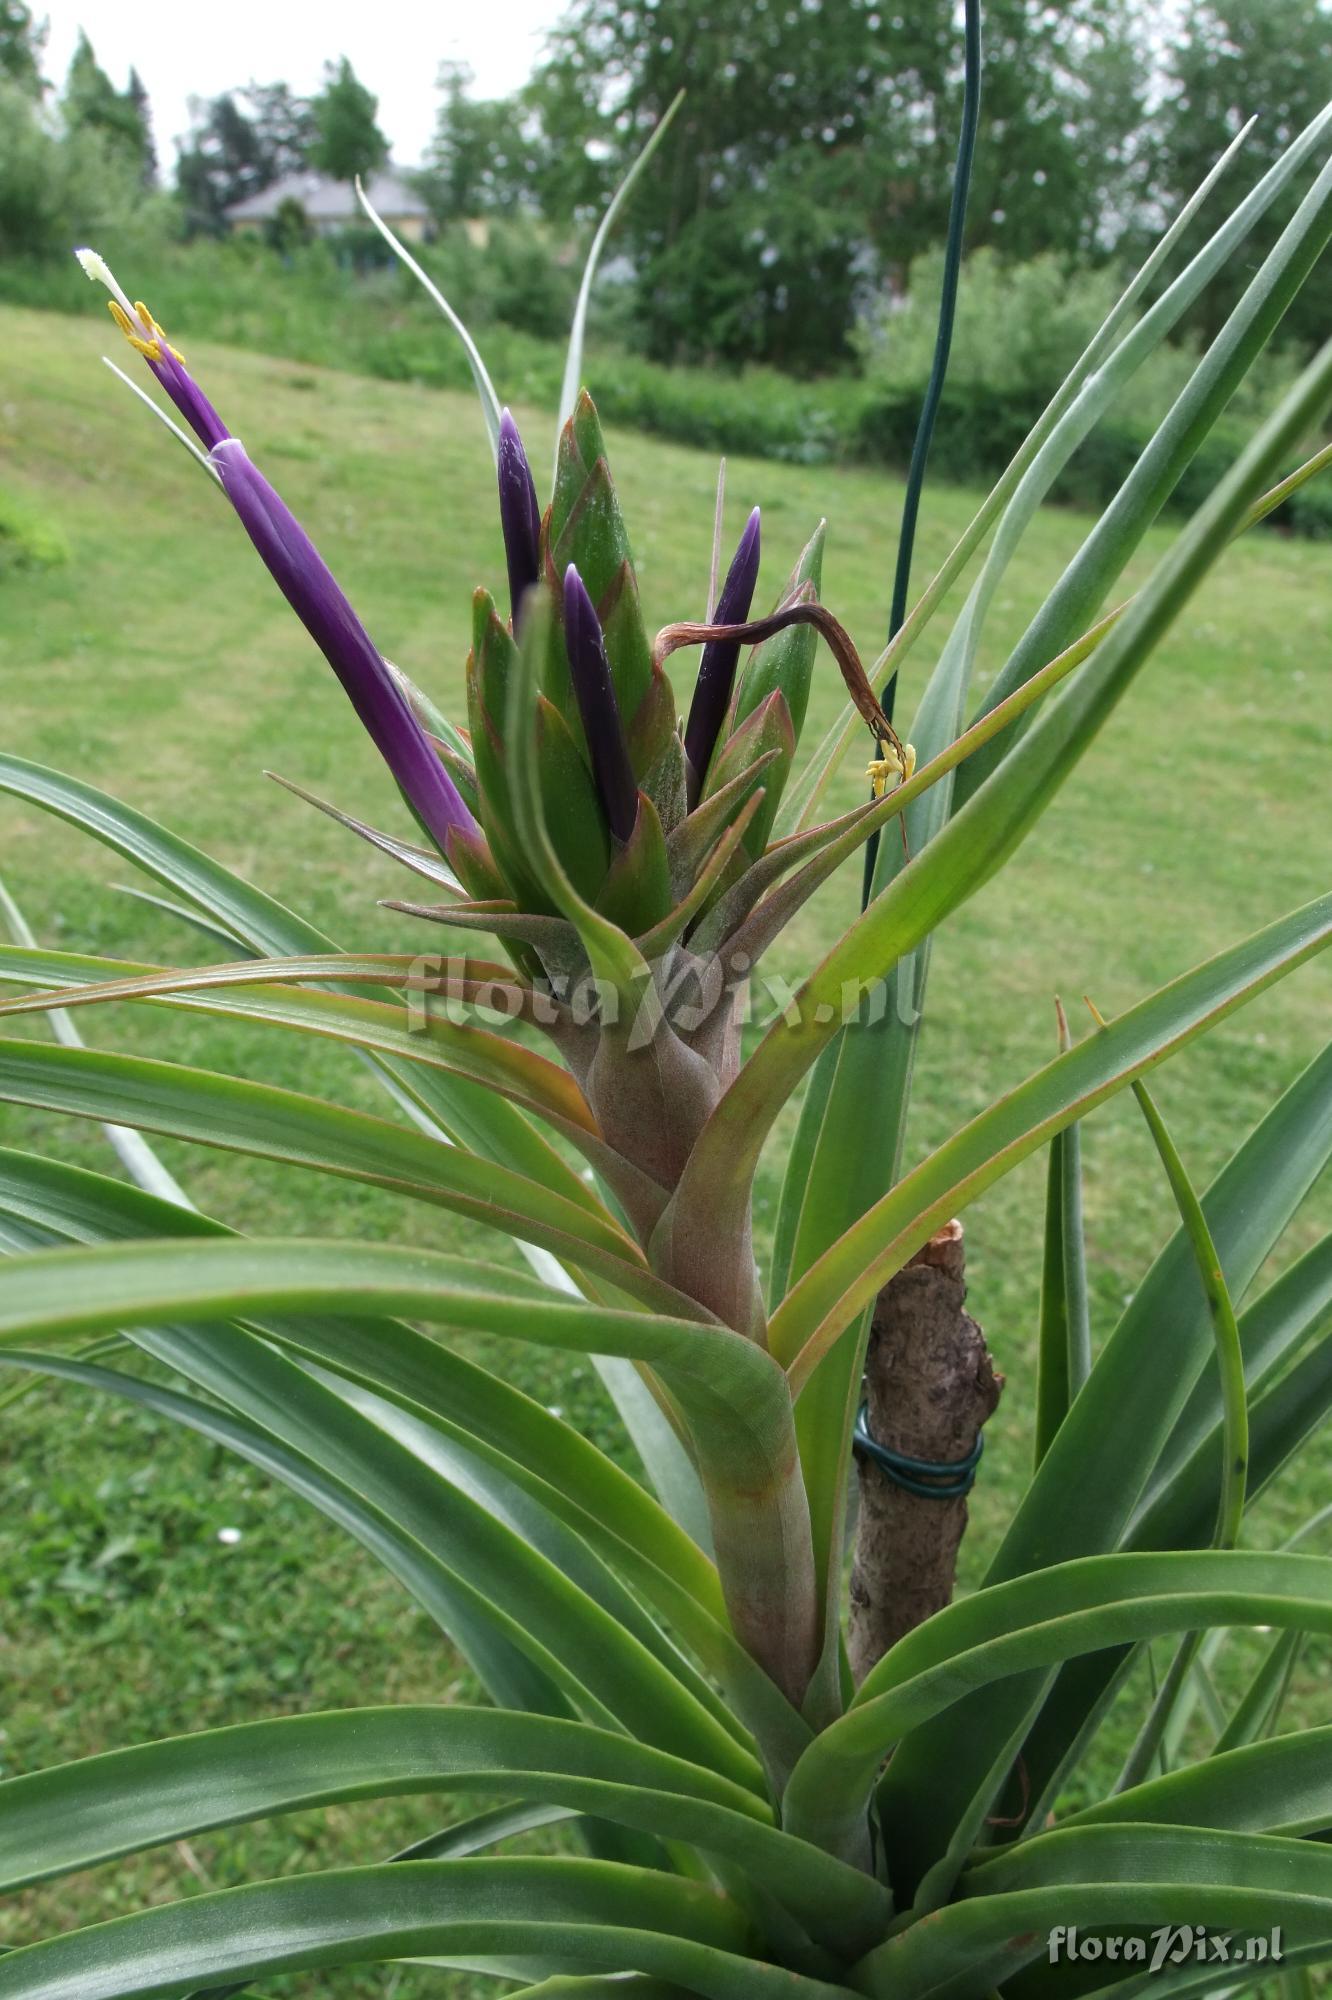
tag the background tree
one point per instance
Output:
(347, 141)
(240, 143)
(1235, 58)
(485, 158)
(59, 185)
(136, 96)
(814, 149)
(91, 103)
(22, 40)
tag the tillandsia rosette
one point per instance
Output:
(778, 1800)
(624, 856)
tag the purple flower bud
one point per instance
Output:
(594, 691)
(716, 669)
(308, 585)
(520, 516)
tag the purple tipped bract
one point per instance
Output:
(520, 515)
(310, 588)
(594, 691)
(716, 669)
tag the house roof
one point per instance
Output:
(329, 201)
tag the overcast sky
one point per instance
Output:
(395, 47)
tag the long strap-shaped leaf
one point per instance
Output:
(1064, 1340)
(261, 990)
(1052, 440)
(1291, 1308)
(1129, 1879)
(470, 1115)
(808, 1330)
(56, 1293)
(264, 991)
(733, 1393)
(881, 1087)
(79, 1814)
(1157, 470)
(816, 1310)
(41, 1202)
(1281, 1421)
(284, 1125)
(1235, 1424)
(1084, 1494)
(131, 1148)
(497, 1540)
(573, 364)
(514, 1669)
(587, 1915)
(976, 841)
(1282, 1414)
(1035, 1622)
(576, 1486)
(870, 1080)
(1280, 1786)
(476, 1561)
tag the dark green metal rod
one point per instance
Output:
(929, 409)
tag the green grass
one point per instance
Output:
(160, 663)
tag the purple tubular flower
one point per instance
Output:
(716, 668)
(302, 576)
(308, 585)
(594, 691)
(520, 516)
(188, 397)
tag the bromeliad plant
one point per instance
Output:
(666, 1658)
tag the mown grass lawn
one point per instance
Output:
(160, 663)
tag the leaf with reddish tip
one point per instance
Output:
(474, 865)
(674, 925)
(554, 941)
(490, 672)
(747, 918)
(694, 839)
(656, 752)
(636, 894)
(573, 811)
(586, 528)
(766, 731)
(419, 859)
(266, 991)
(611, 954)
(463, 773)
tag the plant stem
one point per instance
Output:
(930, 1385)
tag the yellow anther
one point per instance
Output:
(880, 769)
(148, 320)
(138, 335)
